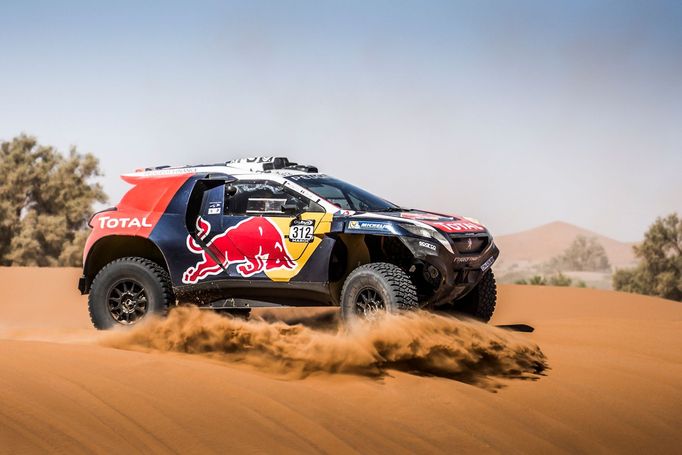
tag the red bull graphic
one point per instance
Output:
(260, 247)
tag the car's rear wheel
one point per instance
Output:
(480, 302)
(126, 290)
(372, 289)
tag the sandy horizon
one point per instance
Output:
(602, 372)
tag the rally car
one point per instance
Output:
(266, 231)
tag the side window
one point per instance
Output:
(265, 198)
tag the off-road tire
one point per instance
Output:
(152, 277)
(390, 282)
(479, 303)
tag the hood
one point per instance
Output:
(448, 224)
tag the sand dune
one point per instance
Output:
(201, 383)
(542, 243)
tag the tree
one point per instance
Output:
(584, 254)
(660, 262)
(46, 199)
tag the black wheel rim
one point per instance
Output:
(369, 303)
(127, 301)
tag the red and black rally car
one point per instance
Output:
(265, 231)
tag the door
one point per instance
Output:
(274, 230)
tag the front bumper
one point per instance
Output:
(458, 273)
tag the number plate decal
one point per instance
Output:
(215, 208)
(301, 231)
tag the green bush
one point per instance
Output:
(537, 280)
(660, 262)
(560, 280)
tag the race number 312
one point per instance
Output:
(301, 231)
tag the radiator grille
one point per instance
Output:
(470, 245)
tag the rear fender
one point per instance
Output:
(112, 247)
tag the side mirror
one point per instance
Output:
(290, 208)
(231, 190)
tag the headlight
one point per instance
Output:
(418, 230)
(429, 233)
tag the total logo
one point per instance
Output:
(458, 226)
(107, 222)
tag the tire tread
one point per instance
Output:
(159, 273)
(401, 286)
(480, 302)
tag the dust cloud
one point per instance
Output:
(419, 343)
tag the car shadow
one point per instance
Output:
(525, 328)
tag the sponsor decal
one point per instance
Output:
(215, 208)
(301, 231)
(457, 226)
(303, 191)
(261, 248)
(428, 245)
(107, 222)
(176, 171)
(466, 259)
(255, 159)
(368, 226)
(486, 265)
(307, 177)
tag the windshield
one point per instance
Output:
(343, 194)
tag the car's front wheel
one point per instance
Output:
(126, 290)
(480, 302)
(375, 288)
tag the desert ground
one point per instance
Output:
(601, 372)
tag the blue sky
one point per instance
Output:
(516, 113)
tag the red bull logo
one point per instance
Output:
(255, 244)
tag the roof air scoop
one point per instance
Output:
(259, 163)
(268, 163)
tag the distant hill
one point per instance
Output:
(535, 246)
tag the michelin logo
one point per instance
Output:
(369, 226)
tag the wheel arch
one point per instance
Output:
(113, 247)
(352, 250)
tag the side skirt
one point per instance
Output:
(268, 292)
